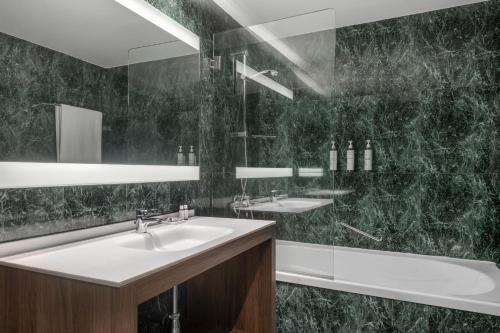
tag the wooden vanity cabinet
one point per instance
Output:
(230, 288)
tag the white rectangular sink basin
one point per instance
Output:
(178, 238)
(121, 258)
(289, 205)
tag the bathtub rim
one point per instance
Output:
(451, 302)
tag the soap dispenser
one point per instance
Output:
(192, 156)
(368, 156)
(180, 157)
(350, 157)
(333, 157)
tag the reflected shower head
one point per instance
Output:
(271, 72)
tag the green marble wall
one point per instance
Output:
(164, 110)
(315, 310)
(31, 75)
(424, 89)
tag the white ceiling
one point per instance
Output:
(347, 12)
(100, 32)
(103, 31)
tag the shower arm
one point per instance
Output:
(362, 233)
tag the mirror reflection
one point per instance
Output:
(113, 88)
(280, 76)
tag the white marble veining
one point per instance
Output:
(118, 259)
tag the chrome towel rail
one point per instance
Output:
(350, 227)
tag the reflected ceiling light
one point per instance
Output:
(160, 52)
(260, 78)
(309, 81)
(162, 21)
(26, 175)
(266, 33)
(246, 173)
(310, 172)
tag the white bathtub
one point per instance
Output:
(468, 285)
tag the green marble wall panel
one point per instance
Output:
(32, 74)
(424, 89)
(163, 110)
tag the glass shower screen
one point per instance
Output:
(274, 91)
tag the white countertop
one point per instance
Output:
(104, 261)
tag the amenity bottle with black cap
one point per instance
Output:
(350, 157)
(333, 157)
(368, 156)
(191, 156)
(181, 160)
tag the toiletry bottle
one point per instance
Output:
(186, 212)
(192, 156)
(350, 157)
(180, 157)
(333, 157)
(181, 212)
(368, 156)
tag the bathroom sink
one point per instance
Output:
(117, 259)
(174, 238)
(289, 205)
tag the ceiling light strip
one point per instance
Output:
(162, 21)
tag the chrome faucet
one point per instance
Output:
(274, 196)
(143, 220)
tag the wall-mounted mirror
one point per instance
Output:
(96, 82)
